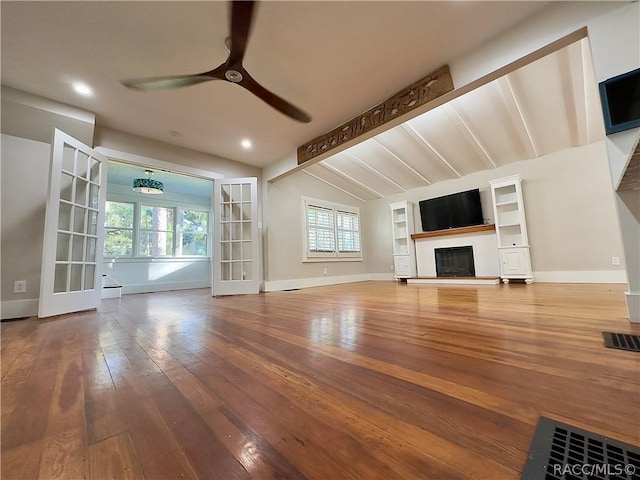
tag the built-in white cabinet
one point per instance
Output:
(511, 229)
(404, 254)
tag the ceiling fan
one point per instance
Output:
(231, 70)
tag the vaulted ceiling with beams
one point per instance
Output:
(548, 105)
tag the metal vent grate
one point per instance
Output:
(564, 452)
(622, 341)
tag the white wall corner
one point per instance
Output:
(19, 308)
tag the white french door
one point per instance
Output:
(73, 234)
(236, 255)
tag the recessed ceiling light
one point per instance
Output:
(246, 143)
(83, 89)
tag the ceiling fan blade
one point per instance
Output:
(241, 18)
(272, 99)
(164, 83)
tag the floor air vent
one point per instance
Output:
(563, 452)
(622, 341)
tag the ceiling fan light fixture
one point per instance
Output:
(147, 185)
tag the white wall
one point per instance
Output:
(570, 208)
(24, 166)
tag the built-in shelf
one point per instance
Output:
(454, 231)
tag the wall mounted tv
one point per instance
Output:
(451, 211)
(620, 98)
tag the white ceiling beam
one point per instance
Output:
(323, 180)
(453, 113)
(339, 172)
(515, 111)
(373, 170)
(420, 140)
(588, 76)
(570, 68)
(403, 163)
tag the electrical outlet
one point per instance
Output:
(325, 271)
(20, 286)
(391, 267)
(615, 260)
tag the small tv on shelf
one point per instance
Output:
(451, 211)
(620, 97)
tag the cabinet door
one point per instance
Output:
(514, 261)
(401, 266)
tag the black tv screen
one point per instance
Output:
(451, 211)
(620, 98)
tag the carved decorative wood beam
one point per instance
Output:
(432, 86)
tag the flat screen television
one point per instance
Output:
(620, 98)
(451, 211)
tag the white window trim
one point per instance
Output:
(336, 256)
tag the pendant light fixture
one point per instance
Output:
(147, 185)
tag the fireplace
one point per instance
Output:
(455, 262)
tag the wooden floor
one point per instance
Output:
(368, 380)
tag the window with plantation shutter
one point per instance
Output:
(331, 231)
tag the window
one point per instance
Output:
(156, 231)
(138, 230)
(193, 226)
(118, 240)
(331, 231)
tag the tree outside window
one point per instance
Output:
(156, 231)
(118, 240)
(194, 227)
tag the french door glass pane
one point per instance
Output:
(81, 192)
(82, 164)
(62, 247)
(78, 248)
(64, 216)
(79, 215)
(76, 278)
(66, 187)
(68, 156)
(91, 250)
(89, 277)
(60, 279)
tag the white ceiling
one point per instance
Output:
(332, 59)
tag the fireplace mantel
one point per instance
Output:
(454, 231)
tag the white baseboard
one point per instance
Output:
(576, 276)
(163, 287)
(296, 283)
(19, 308)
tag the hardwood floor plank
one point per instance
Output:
(114, 458)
